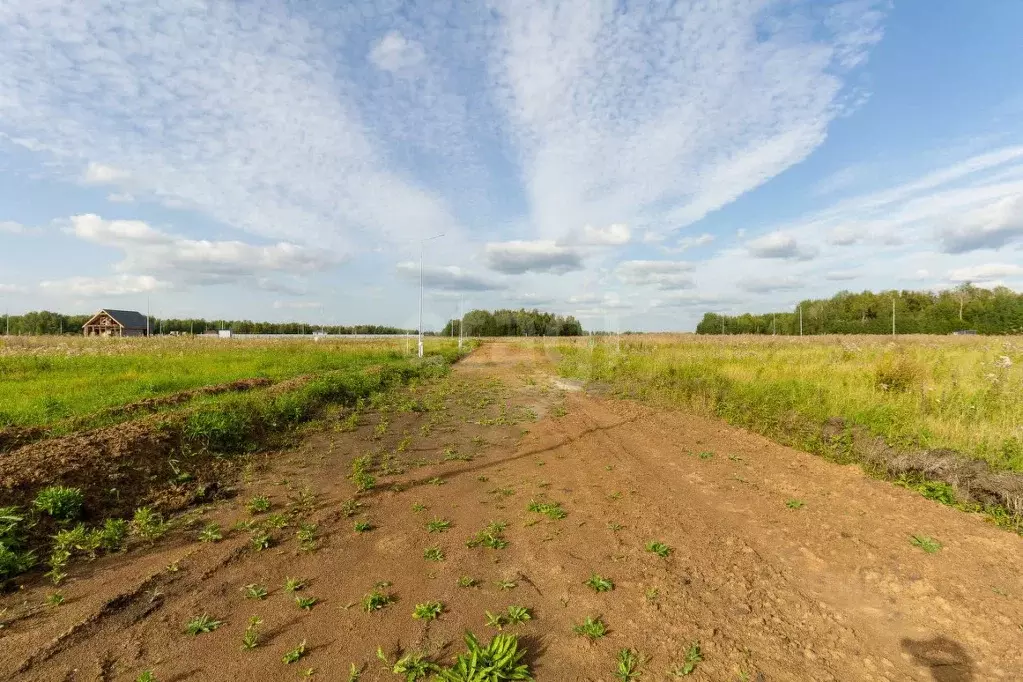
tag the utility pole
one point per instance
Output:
(422, 249)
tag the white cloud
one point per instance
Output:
(395, 52)
(761, 285)
(448, 278)
(616, 234)
(987, 273)
(779, 245)
(116, 285)
(101, 174)
(120, 198)
(11, 227)
(842, 275)
(296, 305)
(147, 249)
(12, 289)
(528, 299)
(518, 257)
(987, 227)
(663, 274)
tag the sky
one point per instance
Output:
(635, 164)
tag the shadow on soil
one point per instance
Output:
(946, 658)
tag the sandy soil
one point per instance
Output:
(832, 590)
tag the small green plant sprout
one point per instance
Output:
(147, 524)
(794, 504)
(294, 584)
(491, 536)
(482, 479)
(200, 625)
(360, 475)
(692, 657)
(436, 480)
(255, 591)
(275, 521)
(518, 614)
(599, 583)
(658, 548)
(927, 544)
(146, 676)
(174, 567)
(350, 507)
(55, 599)
(651, 595)
(438, 525)
(433, 554)
(614, 527)
(363, 526)
(354, 673)
(506, 584)
(467, 581)
(306, 603)
(260, 540)
(551, 510)
(258, 504)
(309, 672)
(494, 620)
(418, 507)
(62, 503)
(430, 610)
(376, 600)
(593, 627)
(306, 535)
(414, 666)
(706, 454)
(501, 658)
(295, 654)
(211, 533)
(628, 661)
(609, 467)
(250, 640)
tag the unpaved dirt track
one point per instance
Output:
(830, 591)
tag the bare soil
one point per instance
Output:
(831, 590)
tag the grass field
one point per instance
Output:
(44, 380)
(922, 392)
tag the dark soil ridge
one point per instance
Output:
(18, 436)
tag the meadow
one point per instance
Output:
(47, 380)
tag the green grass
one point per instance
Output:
(295, 654)
(438, 525)
(593, 628)
(517, 615)
(363, 526)
(306, 603)
(430, 610)
(203, 624)
(927, 544)
(211, 533)
(62, 503)
(250, 639)
(255, 591)
(258, 504)
(551, 510)
(491, 536)
(294, 584)
(467, 581)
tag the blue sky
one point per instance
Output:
(633, 164)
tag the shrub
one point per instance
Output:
(63, 504)
(898, 374)
(13, 560)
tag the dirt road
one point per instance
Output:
(782, 566)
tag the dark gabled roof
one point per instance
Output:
(128, 318)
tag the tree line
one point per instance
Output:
(966, 307)
(46, 322)
(520, 322)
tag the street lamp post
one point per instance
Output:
(422, 248)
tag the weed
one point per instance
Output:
(211, 533)
(62, 503)
(55, 599)
(438, 525)
(403, 444)
(494, 621)
(260, 540)
(306, 603)
(706, 454)
(294, 584)
(255, 591)
(113, 534)
(353, 674)
(501, 659)
(794, 504)
(551, 510)
(376, 600)
(629, 661)
(651, 595)
(350, 508)
(295, 654)
(518, 614)
(275, 522)
(146, 676)
(430, 610)
(593, 627)
(609, 467)
(360, 475)
(927, 544)
(418, 507)
(614, 527)
(203, 624)
(491, 536)
(258, 504)
(467, 581)
(414, 666)
(482, 479)
(306, 535)
(600, 583)
(250, 640)
(147, 524)
(363, 526)
(659, 548)
(614, 497)
(436, 480)
(691, 658)
(506, 584)
(433, 554)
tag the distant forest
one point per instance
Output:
(514, 323)
(986, 311)
(45, 322)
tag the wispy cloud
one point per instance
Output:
(987, 273)
(448, 278)
(100, 174)
(662, 274)
(116, 285)
(780, 245)
(12, 227)
(518, 257)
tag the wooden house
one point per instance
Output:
(116, 323)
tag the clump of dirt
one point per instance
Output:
(973, 480)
